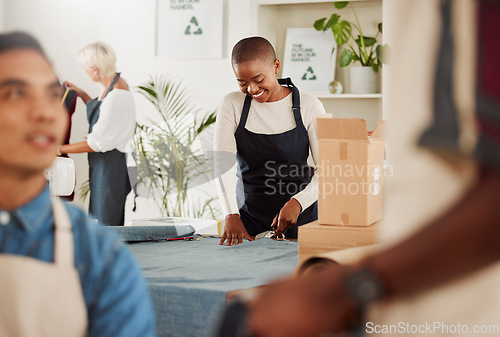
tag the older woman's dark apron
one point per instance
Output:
(108, 177)
(273, 168)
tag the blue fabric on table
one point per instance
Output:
(189, 280)
(151, 233)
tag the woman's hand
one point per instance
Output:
(234, 231)
(82, 94)
(287, 216)
(73, 87)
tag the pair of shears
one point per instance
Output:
(271, 233)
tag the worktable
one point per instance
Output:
(190, 281)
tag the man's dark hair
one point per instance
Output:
(251, 49)
(19, 40)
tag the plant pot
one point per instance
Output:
(363, 80)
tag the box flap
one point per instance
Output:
(340, 128)
(380, 131)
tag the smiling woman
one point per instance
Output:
(268, 127)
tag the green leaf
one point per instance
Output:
(205, 123)
(375, 67)
(369, 41)
(320, 24)
(346, 57)
(340, 4)
(148, 90)
(332, 21)
(380, 27)
(342, 32)
(380, 54)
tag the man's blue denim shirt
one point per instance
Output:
(115, 293)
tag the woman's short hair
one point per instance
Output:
(251, 49)
(100, 55)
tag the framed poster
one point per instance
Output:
(189, 29)
(308, 59)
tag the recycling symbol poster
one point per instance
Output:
(189, 29)
(308, 59)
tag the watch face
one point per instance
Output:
(364, 287)
(368, 290)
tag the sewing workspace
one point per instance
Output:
(249, 168)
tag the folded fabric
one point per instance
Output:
(152, 233)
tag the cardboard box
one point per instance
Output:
(350, 171)
(315, 239)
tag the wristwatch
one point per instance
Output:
(364, 287)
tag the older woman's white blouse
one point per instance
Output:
(116, 124)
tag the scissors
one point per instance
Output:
(271, 233)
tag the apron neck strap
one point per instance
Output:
(63, 235)
(295, 99)
(117, 76)
(246, 109)
(295, 103)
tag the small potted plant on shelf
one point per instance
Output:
(356, 47)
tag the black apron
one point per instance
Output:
(108, 178)
(273, 168)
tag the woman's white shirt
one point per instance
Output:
(263, 118)
(116, 124)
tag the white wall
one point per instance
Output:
(65, 26)
(2, 15)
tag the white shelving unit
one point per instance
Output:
(348, 96)
(288, 2)
(271, 18)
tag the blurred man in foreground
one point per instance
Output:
(60, 275)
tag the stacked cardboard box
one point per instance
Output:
(350, 181)
(350, 172)
(315, 239)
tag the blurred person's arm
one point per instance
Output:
(461, 241)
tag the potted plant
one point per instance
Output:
(356, 47)
(170, 159)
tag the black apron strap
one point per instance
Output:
(117, 77)
(295, 99)
(244, 112)
(295, 103)
(90, 116)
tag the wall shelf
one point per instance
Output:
(291, 2)
(348, 96)
(272, 18)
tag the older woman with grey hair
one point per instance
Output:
(111, 119)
